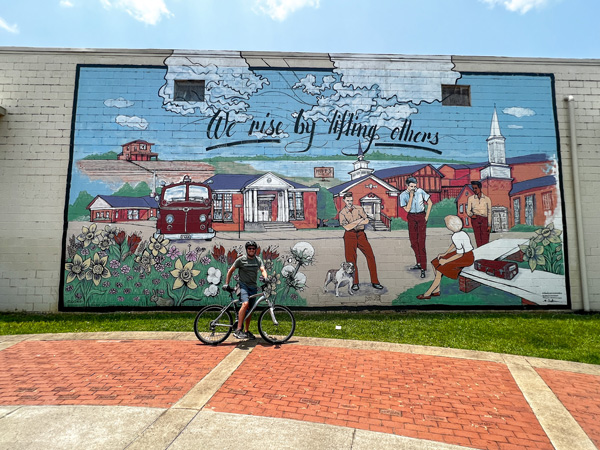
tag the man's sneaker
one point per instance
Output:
(249, 335)
(239, 334)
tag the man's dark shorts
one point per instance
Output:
(246, 292)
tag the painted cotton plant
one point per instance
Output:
(302, 254)
(214, 278)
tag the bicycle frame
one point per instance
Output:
(258, 297)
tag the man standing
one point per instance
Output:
(353, 218)
(414, 201)
(248, 266)
(479, 209)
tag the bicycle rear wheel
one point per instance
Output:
(279, 330)
(208, 329)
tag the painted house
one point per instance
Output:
(137, 151)
(379, 190)
(114, 208)
(456, 176)
(530, 202)
(428, 178)
(378, 198)
(523, 168)
(242, 202)
(533, 201)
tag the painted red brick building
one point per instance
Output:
(114, 208)
(137, 151)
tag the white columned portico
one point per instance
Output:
(283, 214)
(247, 206)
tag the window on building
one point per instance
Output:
(296, 202)
(189, 90)
(529, 209)
(456, 95)
(547, 201)
(461, 208)
(223, 207)
(142, 146)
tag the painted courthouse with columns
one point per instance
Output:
(269, 144)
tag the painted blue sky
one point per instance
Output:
(117, 105)
(528, 28)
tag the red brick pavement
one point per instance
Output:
(463, 402)
(580, 394)
(131, 373)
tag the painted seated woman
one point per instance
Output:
(449, 264)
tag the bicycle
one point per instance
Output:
(214, 323)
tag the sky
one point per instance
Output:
(513, 28)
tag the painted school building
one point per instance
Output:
(273, 137)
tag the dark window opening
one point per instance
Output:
(456, 95)
(189, 90)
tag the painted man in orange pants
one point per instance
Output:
(353, 218)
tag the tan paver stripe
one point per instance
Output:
(580, 394)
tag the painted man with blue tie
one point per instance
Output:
(417, 203)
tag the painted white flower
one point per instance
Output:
(303, 253)
(300, 280)
(214, 275)
(287, 271)
(211, 291)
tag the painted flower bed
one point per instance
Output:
(109, 268)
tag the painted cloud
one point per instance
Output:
(382, 94)
(519, 112)
(229, 84)
(132, 122)
(309, 86)
(117, 103)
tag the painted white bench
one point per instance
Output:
(534, 288)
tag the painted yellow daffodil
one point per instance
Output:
(77, 268)
(184, 275)
(98, 269)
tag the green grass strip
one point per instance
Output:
(555, 335)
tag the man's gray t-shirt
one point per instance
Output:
(248, 269)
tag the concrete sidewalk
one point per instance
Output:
(166, 390)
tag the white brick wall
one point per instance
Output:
(37, 88)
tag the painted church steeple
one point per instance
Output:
(361, 165)
(496, 142)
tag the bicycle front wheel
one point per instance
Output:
(276, 326)
(210, 330)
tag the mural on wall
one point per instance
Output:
(388, 181)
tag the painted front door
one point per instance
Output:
(499, 219)
(264, 210)
(372, 209)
